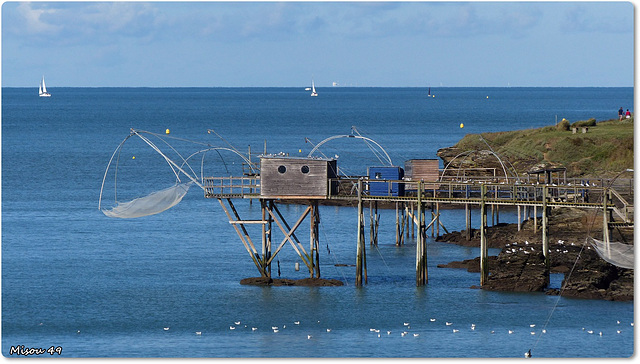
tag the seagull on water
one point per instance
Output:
(198, 332)
(296, 322)
(416, 335)
(532, 325)
(232, 327)
(166, 329)
(328, 330)
(527, 354)
(309, 336)
(237, 322)
(448, 323)
(274, 327)
(590, 331)
(510, 332)
(432, 320)
(618, 331)
(254, 328)
(276, 330)
(618, 322)
(455, 330)
(406, 324)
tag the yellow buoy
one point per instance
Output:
(134, 157)
(461, 125)
(167, 131)
(487, 96)
(299, 150)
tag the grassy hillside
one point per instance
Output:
(605, 150)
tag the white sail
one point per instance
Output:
(313, 89)
(42, 89)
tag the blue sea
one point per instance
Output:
(86, 285)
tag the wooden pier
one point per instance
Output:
(313, 180)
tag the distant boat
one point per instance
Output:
(313, 89)
(42, 90)
(429, 93)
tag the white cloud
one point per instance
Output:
(33, 22)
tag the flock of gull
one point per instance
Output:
(513, 248)
(403, 330)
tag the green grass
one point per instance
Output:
(604, 150)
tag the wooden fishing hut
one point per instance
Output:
(306, 180)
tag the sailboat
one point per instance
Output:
(42, 90)
(313, 89)
(429, 94)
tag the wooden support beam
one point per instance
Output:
(360, 252)
(438, 219)
(421, 249)
(253, 253)
(605, 221)
(484, 268)
(545, 233)
(286, 224)
(289, 234)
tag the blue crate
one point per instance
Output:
(382, 188)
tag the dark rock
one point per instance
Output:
(520, 265)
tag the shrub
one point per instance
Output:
(590, 122)
(563, 125)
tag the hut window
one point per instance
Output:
(304, 169)
(282, 169)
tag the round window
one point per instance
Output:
(282, 169)
(305, 169)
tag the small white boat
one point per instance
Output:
(42, 90)
(313, 89)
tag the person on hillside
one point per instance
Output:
(620, 112)
(628, 114)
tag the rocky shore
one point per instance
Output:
(520, 265)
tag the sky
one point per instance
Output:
(283, 44)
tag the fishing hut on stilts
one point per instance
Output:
(414, 190)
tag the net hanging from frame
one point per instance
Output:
(616, 253)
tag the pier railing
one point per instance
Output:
(471, 192)
(230, 187)
(455, 192)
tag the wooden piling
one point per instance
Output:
(484, 251)
(314, 239)
(437, 219)
(360, 240)
(545, 234)
(605, 221)
(421, 249)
